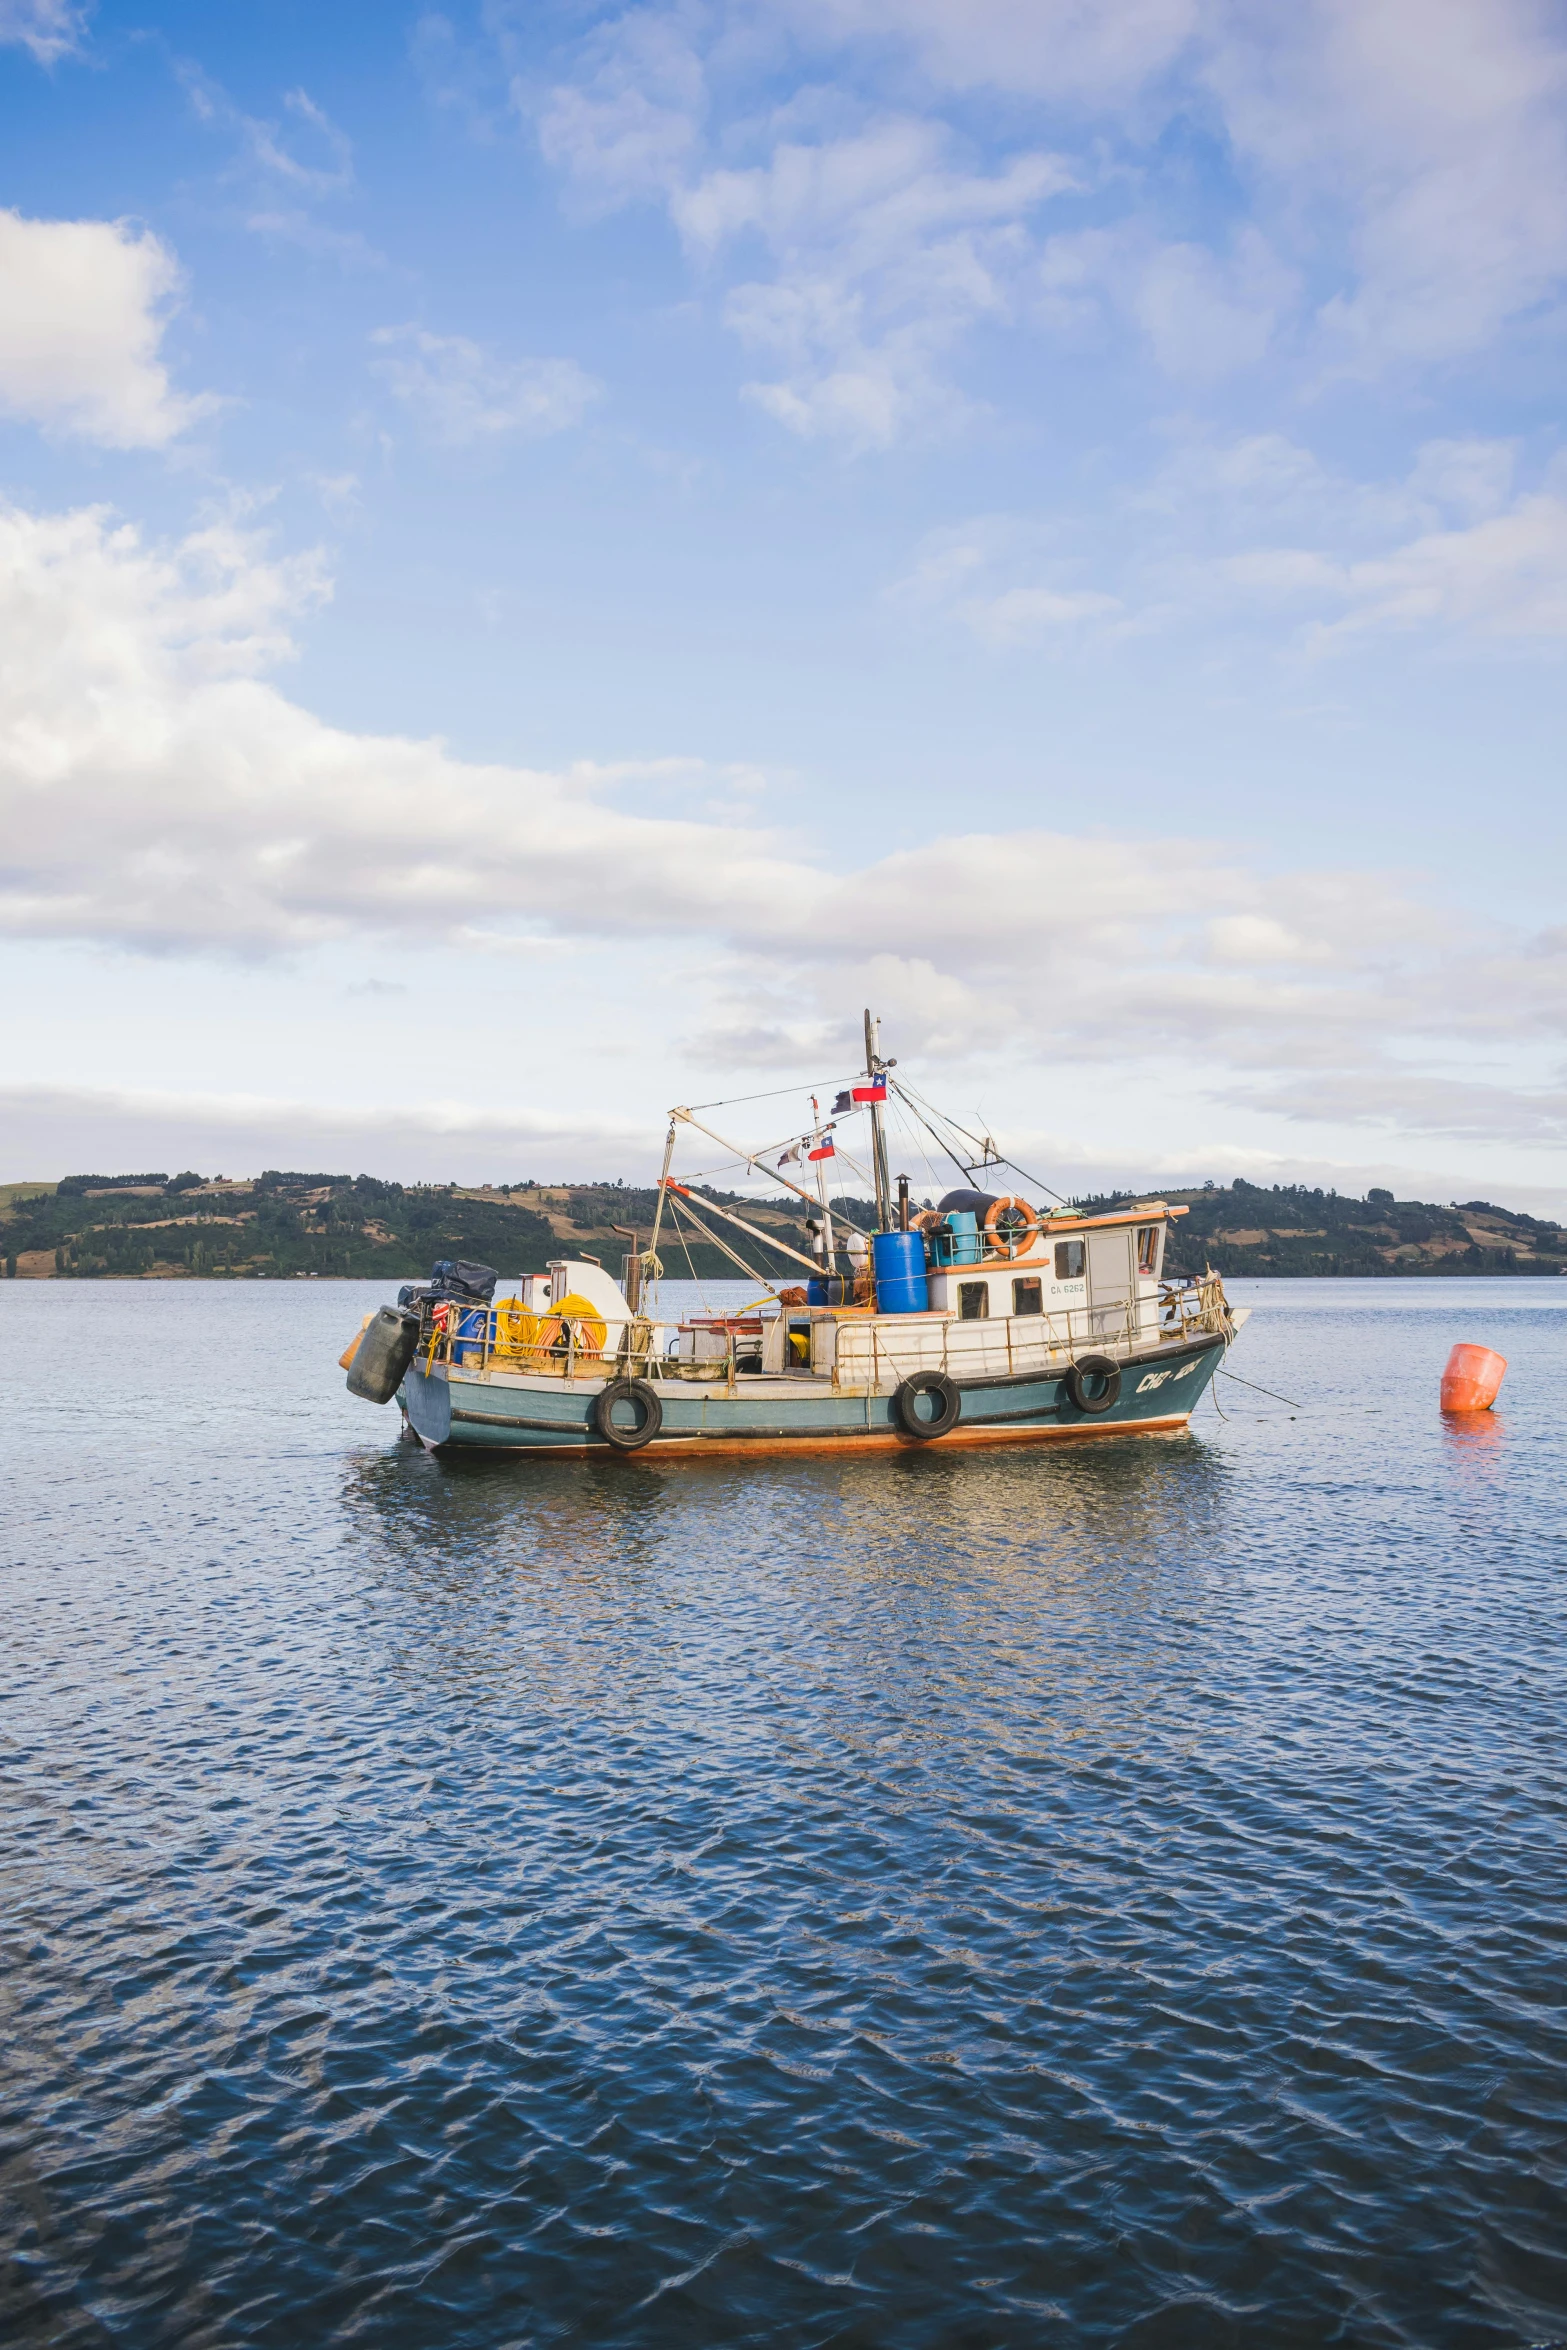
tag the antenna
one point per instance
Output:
(873, 1063)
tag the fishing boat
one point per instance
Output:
(981, 1318)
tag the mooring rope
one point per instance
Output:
(1256, 1390)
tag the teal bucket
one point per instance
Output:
(958, 1242)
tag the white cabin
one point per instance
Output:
(1073, 1286)
(1098, 1270)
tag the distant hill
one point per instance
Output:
(1290, 1229)
(283, 1224)
(287, 1224)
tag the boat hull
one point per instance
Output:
(451, 1409)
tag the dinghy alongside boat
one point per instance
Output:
(981, 1321)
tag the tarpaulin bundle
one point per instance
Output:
(470, 1283)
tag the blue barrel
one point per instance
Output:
(473, 1326)
(899, 1259)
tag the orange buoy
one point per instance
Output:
(1472, 1378)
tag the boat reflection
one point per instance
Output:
(1035, 1598)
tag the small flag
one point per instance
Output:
(872, 1089)
(790, 1157)
(824, 1149)
(843, 1105)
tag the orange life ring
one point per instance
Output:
(1006, 1240)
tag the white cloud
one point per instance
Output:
(883, 245)
(350, 248)
(1417, 1101)
(332, 168)
(158, 791)
(55, 1130)
(1502, 576)
(1430, 135)
(310, 153)
(463, 394)
(1266, 483)
(83, 306)
(630, 126)
(1259, 531)
(1077, 49)
(967, 575)
(292, 166)
(1421, 145)
(1378, 182)
(51, 29)
(1260, 939)
(1021, 616)
(1204, 313)
(884, 253)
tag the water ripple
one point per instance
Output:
(1103, 1898)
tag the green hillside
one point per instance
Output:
(283, 1225)
(151, 1227)
(1290, 1229)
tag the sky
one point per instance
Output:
(551, 554)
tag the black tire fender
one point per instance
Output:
(949, 1404)
(645, 1397)
(1089, 1367)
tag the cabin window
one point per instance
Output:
(1147, 1248)
(1028, 1297)
(1071, 1259)
(973, 1301)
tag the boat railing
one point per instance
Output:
(874, 1352)
(483, 1338)
(877, 1354)
(479, 1338)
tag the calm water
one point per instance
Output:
(1104, 1897)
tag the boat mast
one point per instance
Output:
(663, 1186)
(821, 1186)
(878, 1139)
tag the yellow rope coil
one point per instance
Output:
(576, 1323)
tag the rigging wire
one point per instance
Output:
(968, 1167)
(722, 1246)
(964, 1166)
(758, 1162)
(913, 1147)
(733, 1101)
(685, 1250)
(946, 1153)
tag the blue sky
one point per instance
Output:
(552, 553)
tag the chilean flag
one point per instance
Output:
(872, 1089)
(825, 1149)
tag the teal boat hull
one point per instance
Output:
(449, 1408)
